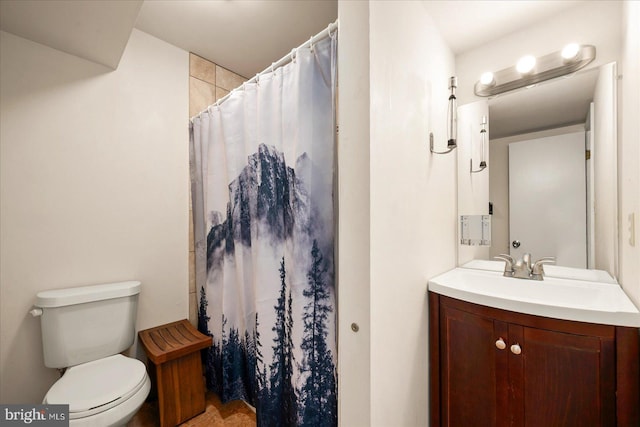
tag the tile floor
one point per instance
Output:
(232, 414)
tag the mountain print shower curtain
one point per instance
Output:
(262, 189)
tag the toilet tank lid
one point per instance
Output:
(84, 294)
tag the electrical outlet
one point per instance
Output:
(632, 229)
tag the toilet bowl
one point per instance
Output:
(84, 330)
(101, 393)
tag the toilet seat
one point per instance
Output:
(97, 386)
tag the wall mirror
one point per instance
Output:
(552, 171)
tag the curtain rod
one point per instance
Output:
(279, 63)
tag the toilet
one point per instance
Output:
(84, 329)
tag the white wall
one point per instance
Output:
(629, 151)
(354, 349)
(592, 22)
(412, 202)
(397, 206)
(94, 181)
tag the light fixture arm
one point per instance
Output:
(452, 120)
(448, 150)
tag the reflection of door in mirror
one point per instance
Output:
(547, 198)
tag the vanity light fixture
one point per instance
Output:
(452, 120)
(530, 70)
(483, 141)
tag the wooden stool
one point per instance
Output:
(174, 350)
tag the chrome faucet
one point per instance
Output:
(522, 268)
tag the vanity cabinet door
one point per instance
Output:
(562, 379)
(490, 367)
(474, 380)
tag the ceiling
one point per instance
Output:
(243, 36)
(246, 36)
(466, 24)
(93, 30)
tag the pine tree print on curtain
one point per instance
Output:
(262, 188)
(318, 396)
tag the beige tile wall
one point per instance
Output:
(208, 82)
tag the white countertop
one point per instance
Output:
(559, 298)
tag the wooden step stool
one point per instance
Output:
(174, 357)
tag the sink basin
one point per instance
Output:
(559, 298)
(549, 270)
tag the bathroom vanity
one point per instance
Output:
(510, 352)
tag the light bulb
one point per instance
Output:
(570, 52)
(525, 64)
(487, 79)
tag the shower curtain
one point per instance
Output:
(262, 169)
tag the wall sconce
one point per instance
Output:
(483, 141)
(452, 120)
(530, 70)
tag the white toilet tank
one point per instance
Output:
(88, 322)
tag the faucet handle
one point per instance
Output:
(506, 258)
(508, 264)
(538, 266)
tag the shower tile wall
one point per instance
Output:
(208, 82)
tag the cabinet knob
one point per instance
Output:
(501, 344)
(515, 349)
